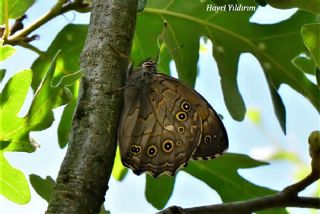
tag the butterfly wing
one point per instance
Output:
(156, 134)
(214, 138)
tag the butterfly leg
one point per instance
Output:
(129, 68)
(119, 54)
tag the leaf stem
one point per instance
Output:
(31, 47)
(61, 6)
(53, 12)
(6, 20)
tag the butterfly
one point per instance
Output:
(164, 123)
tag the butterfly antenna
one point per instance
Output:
(172, 52)
(160, 40)
(160, 44)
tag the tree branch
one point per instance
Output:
(83, 178)
(249, 206)
(288, 197)
(59, 8)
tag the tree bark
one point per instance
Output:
(84, 174)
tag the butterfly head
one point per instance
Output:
(149, 65)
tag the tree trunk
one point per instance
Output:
(84, 174)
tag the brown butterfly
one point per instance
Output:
(164, 123)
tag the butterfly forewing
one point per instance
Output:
(159, 137)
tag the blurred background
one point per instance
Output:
(259, 135)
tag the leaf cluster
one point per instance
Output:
(287, 51)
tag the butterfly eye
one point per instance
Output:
(135, 150)
(181, 116)
(167, 146)
(179, 143)
(186, 106)
(207, 138)
(152, 151)
(180, 129)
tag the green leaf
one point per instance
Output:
(119, 171)
(287, 156)
(64, 127)
(40, 115)
(311, 38)
(318, 76)
(305, 64)
(229, 41)
(6, 51)
(254, 115)
(309, 5)
(43, 187)
(13, 184)
(222, 175)
(278, 105)
(159, 190)
(11, 126)
(70, 40)
(2, 74)
(48, 97)
(16, 8)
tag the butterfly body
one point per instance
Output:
(164, 123)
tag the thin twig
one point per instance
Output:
(59, 8)
(53, 12)
(32, 48)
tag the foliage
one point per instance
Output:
(42, 186)
(14, 8)
(286, 51)
(14, 130)
(13, 184)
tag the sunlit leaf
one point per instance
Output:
(70, 40)
(14, 130)
(16, 8)
(6, 51)
(119, 171)
(12, 99)
(254, 115)
(13, 184)
(311, 38)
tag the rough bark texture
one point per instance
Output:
(83, 178)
